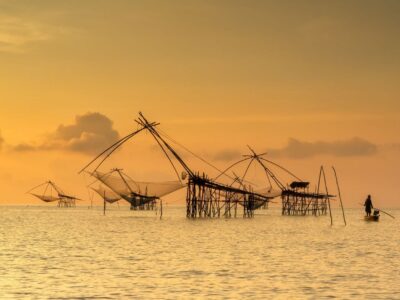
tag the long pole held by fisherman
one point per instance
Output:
(386, 213)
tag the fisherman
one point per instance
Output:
(368, 205)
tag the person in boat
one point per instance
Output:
(368, 205)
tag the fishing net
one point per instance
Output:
(50, 192)
(124, 186)
(45, 198)
(47, 192)
(107, 194)
(268, 192)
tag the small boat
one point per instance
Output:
(374, 217)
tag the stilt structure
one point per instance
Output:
(52, 193)
(296, 197)
(205, 197)
(297, 200)
(208, 199)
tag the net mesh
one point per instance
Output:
(46, 198)
(125, 186)
(269, 192)
(106, 194)
(50, 192)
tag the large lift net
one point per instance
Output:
(135, 191)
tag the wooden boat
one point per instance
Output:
(374, 217)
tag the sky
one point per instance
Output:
(310, 82)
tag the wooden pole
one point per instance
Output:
(386, 213)
(161, 209)
(340, 196)
(104, 206)
(327, 193)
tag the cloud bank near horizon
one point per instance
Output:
(91, 133)
(1, 141)
(297, 149)
(300, 149)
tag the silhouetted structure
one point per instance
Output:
(296, 197)
(52, 193)
(205, 197)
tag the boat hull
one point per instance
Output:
(371, 218)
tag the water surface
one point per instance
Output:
(46, 252)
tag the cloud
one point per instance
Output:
(300, 149)
(18, 30)
(396, 147)
(227, 155)
(391, 147)
(16, 33)
(91, 133)
(1, 141)
(23, 147)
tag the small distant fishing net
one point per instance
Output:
(47, 192)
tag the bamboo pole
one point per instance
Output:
(104, 204)
(327, 193)
(340, 196)
(386, 213)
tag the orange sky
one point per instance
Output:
(217, 74)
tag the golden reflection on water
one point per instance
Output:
(79, 253)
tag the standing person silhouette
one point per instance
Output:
(368, 205)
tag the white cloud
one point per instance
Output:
(227, 155)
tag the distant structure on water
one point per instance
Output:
(205, 196)
(50, 192)
(296, 197)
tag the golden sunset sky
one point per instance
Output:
(310, 82)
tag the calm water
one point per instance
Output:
(47, 252)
